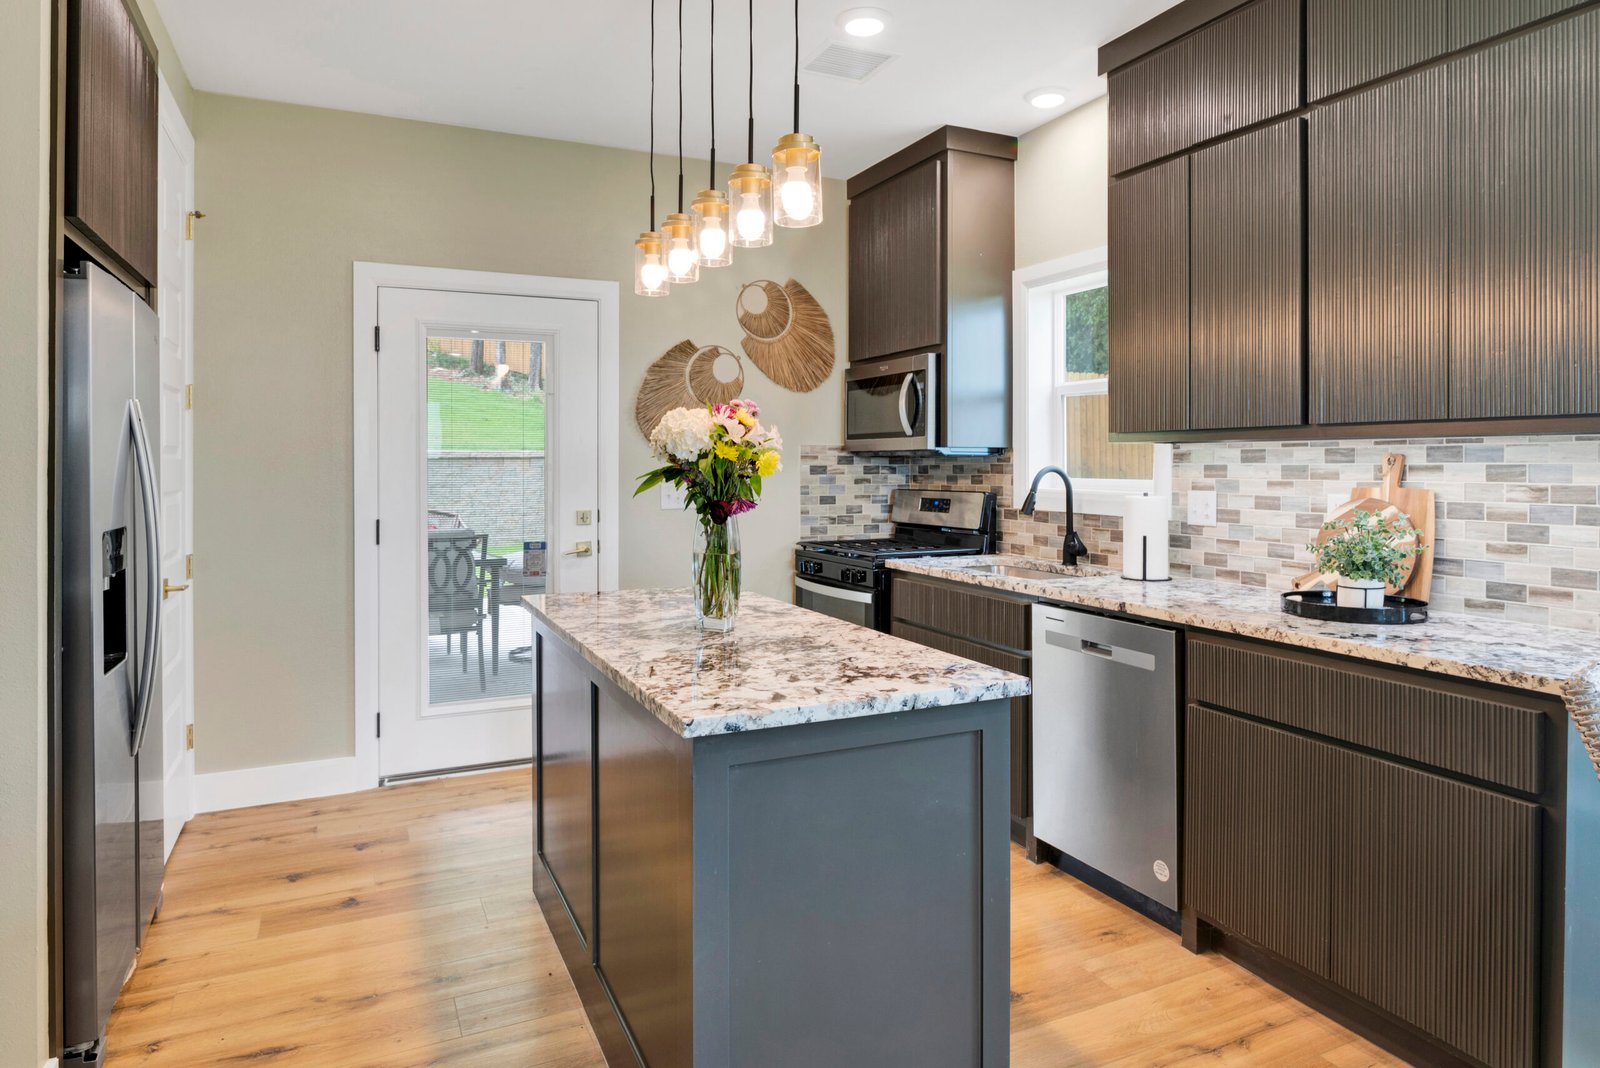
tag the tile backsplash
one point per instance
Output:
(845, 494)
(1518, 523)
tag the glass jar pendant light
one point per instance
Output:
(710, 207)
(750, 186)
(649, 251)
(683, 263)
(797, 163)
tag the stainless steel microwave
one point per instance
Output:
(889, 405)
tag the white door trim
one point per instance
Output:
(369, 277)
(173, 124)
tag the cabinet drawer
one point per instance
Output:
(979, 617)
(1449, 725)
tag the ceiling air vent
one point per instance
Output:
(851, 64)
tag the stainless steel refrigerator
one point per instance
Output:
(108, 576)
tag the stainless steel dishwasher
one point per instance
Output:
(1105, 747)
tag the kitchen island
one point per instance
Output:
(784, 845)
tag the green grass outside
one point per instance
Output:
(475, 419)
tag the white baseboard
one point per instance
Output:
(218, 790)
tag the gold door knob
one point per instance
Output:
(168, 589)
(583, 549)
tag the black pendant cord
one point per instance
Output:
(652, 225)
(796, 66)
(680, 107)
(711, 180)
(750, 145)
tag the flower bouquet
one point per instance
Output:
(718, 456)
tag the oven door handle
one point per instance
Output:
(832, 591)
(905, 388)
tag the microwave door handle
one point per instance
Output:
(149, 659)
(905, 388)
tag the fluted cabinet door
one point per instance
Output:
(1149, 316)
(1258, 823)
(1240, 69)
(110, 186)
(1435, 910)
(1472, 21)
(866, 273)
(1352, 42)
(1245, 281)
(1378, 254)
(1525, 221)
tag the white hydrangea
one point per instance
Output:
(682, 434)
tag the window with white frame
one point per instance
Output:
(1063, 403)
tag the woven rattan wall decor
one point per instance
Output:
(685, 376)
(787, 334)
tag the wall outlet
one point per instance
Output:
(672, 498)
(1202, 508)
(1337, 501)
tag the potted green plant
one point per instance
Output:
(1366, 552)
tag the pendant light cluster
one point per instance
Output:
(717, 222)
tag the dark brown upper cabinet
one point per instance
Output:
(1245, 350)
(1525, 224)
(111, 137)
(932, 247)
(1352, 42)
(1148, 262)
(1233, 72)
(1449, 274)
(896, 273)
(1378, 254)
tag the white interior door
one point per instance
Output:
(488, 471)
(174, 286)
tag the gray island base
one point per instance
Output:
(781, 846)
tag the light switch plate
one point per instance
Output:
(1202, 508)
(672, 498)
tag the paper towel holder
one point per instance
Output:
(1143, 549)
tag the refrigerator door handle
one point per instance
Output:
(150, 504)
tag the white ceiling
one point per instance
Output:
(578, 71)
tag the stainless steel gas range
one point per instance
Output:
(848, 579)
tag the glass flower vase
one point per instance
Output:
(716, 574)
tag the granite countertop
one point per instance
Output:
(780, 665)
(1549, 660)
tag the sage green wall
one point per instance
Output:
(294, 196)
(1061, 186)
(24, 428)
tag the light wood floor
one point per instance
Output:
(397, 928)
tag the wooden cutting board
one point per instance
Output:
(1418, 504)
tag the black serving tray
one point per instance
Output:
(1322, 604)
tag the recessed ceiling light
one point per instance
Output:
(1046, 98)
(864, 21)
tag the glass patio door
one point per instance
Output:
(487, 472)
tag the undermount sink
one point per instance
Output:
(1018, 571)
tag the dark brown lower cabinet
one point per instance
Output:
(1435, 907)
(1416, 893)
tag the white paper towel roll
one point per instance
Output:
(1145, 552)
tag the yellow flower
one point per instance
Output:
(727, 450)
(767, 463)
(745, 418)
